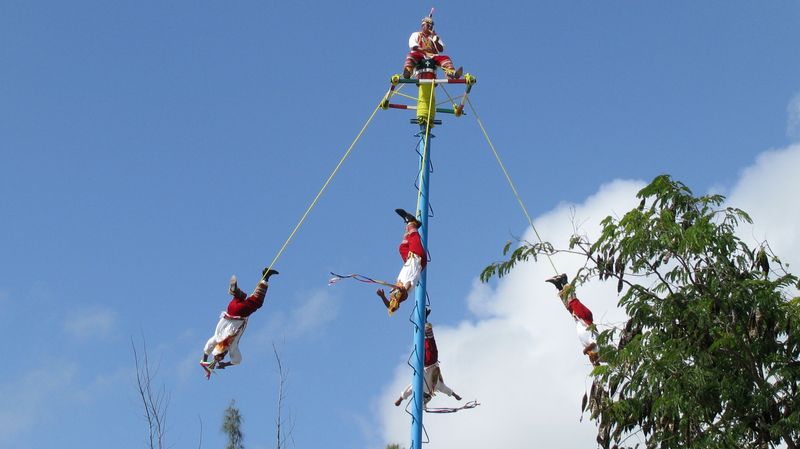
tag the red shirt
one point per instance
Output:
(577, 308)
(412, 243)
(245, 307)
(431, 352)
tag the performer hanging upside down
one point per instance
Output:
(580, 313)
(433, 374)
(232, 323)
(426, 44)
(414, 260)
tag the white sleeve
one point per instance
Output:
(412, 41)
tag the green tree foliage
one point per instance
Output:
(709, 356)
(232, 426)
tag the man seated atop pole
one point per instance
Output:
(580, 313)
(232, 323)
(426, 44)
(414, 260)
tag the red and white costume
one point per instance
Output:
(583, 321)
(414, 258)
(423, 46)
(433, 375)
(232, 323)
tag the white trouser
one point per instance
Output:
(411, 271)
(433, 383)
(226, 338)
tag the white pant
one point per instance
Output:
(226, 338)
(411, 271)
(433, 383)
(585, 336)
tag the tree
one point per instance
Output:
(709, 355)
(232, 426)
(154, 400)
(283, 426)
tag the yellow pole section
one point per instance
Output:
(426, 103)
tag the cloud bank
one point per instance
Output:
(766, 191)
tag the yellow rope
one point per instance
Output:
(405, 95)
(449, 101)
(449, 98)
(392, 92)
(396, 91)
(325, 186)
(508, 178)
(424, 164)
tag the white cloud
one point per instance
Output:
(767, 190)
(793, 122)
(520, 357)
(90, 322)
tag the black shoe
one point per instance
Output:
(559, 281)
(266, 273)
(408, 218)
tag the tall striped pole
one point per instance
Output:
(424, 149)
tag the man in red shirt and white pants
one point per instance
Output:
(414, 260)
(433, 374)
(426, 44)
(580, 313)
(232, 323)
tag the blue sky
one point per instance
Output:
(151, 149)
